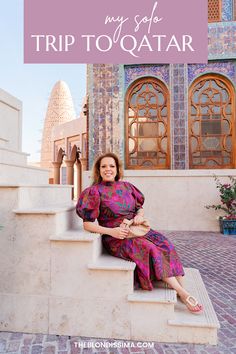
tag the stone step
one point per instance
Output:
(80, 236)
(197, 328)
(162, 295)
(32, 196)
(12, 157)
(15, 174)
(149, 313)
(105, 276)
(3, 143)
(107, 262)
(168, 320)
(50, 220)
(45, 209)
(75, 236)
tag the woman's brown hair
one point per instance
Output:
(96, 167)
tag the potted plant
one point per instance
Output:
(228, 205)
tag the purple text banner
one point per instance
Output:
(108, 31)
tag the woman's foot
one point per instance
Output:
(189, 301)
(192, 304)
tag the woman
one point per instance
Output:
(111, 200)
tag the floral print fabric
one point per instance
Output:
(110, 203)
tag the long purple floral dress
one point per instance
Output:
(110, 203)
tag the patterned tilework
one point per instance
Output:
(222, 40)
(107, 86)
(91, 114)
(104, 127)
(122, 112)
(133, 72)
(179, 141)
(227, 10)
(226, 68)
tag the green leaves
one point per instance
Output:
(227, 194)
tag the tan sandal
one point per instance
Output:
(193, 303)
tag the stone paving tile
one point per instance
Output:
(3, 345)
(51, 338)
(87, 351)
(158, 348)
(135, 350)
(16, 336)
(62, 343)
(211, 253)
(5, 335)
(13, 345)
(37, 349)
(25, 350)
(51, 349)
(38, 339)
(28, 338)
(149, 351)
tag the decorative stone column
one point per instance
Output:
(179, 116)
(79, 176)
(70, 173)
(83, 164)
(56, 171)
(57, 165)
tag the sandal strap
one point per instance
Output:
(192, 301)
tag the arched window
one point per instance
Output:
(147, 125)
(214, 10)
(211, 123)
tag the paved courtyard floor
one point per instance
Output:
(213, 254)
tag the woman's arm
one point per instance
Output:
(116, 232)
(139, 217)
(140, 212)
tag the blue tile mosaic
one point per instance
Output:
(133, 72)
(226, 68)
(222, 40)
(178, 91)
(227, 10)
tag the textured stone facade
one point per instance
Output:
(60, 110)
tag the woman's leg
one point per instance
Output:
(180, 280)
(183, 294)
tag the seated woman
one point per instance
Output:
(111, 200)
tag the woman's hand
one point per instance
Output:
(138, 219)
(119, 232)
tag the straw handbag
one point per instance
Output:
(135, 230)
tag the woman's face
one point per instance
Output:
(108, 170)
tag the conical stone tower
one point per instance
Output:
(60, 110)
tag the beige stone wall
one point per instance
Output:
(74, 128)
(175, 200)
(13, 162)
(10, 122)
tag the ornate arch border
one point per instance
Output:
(230, 85)
(126, 125)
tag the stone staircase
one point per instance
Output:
(55, 278)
